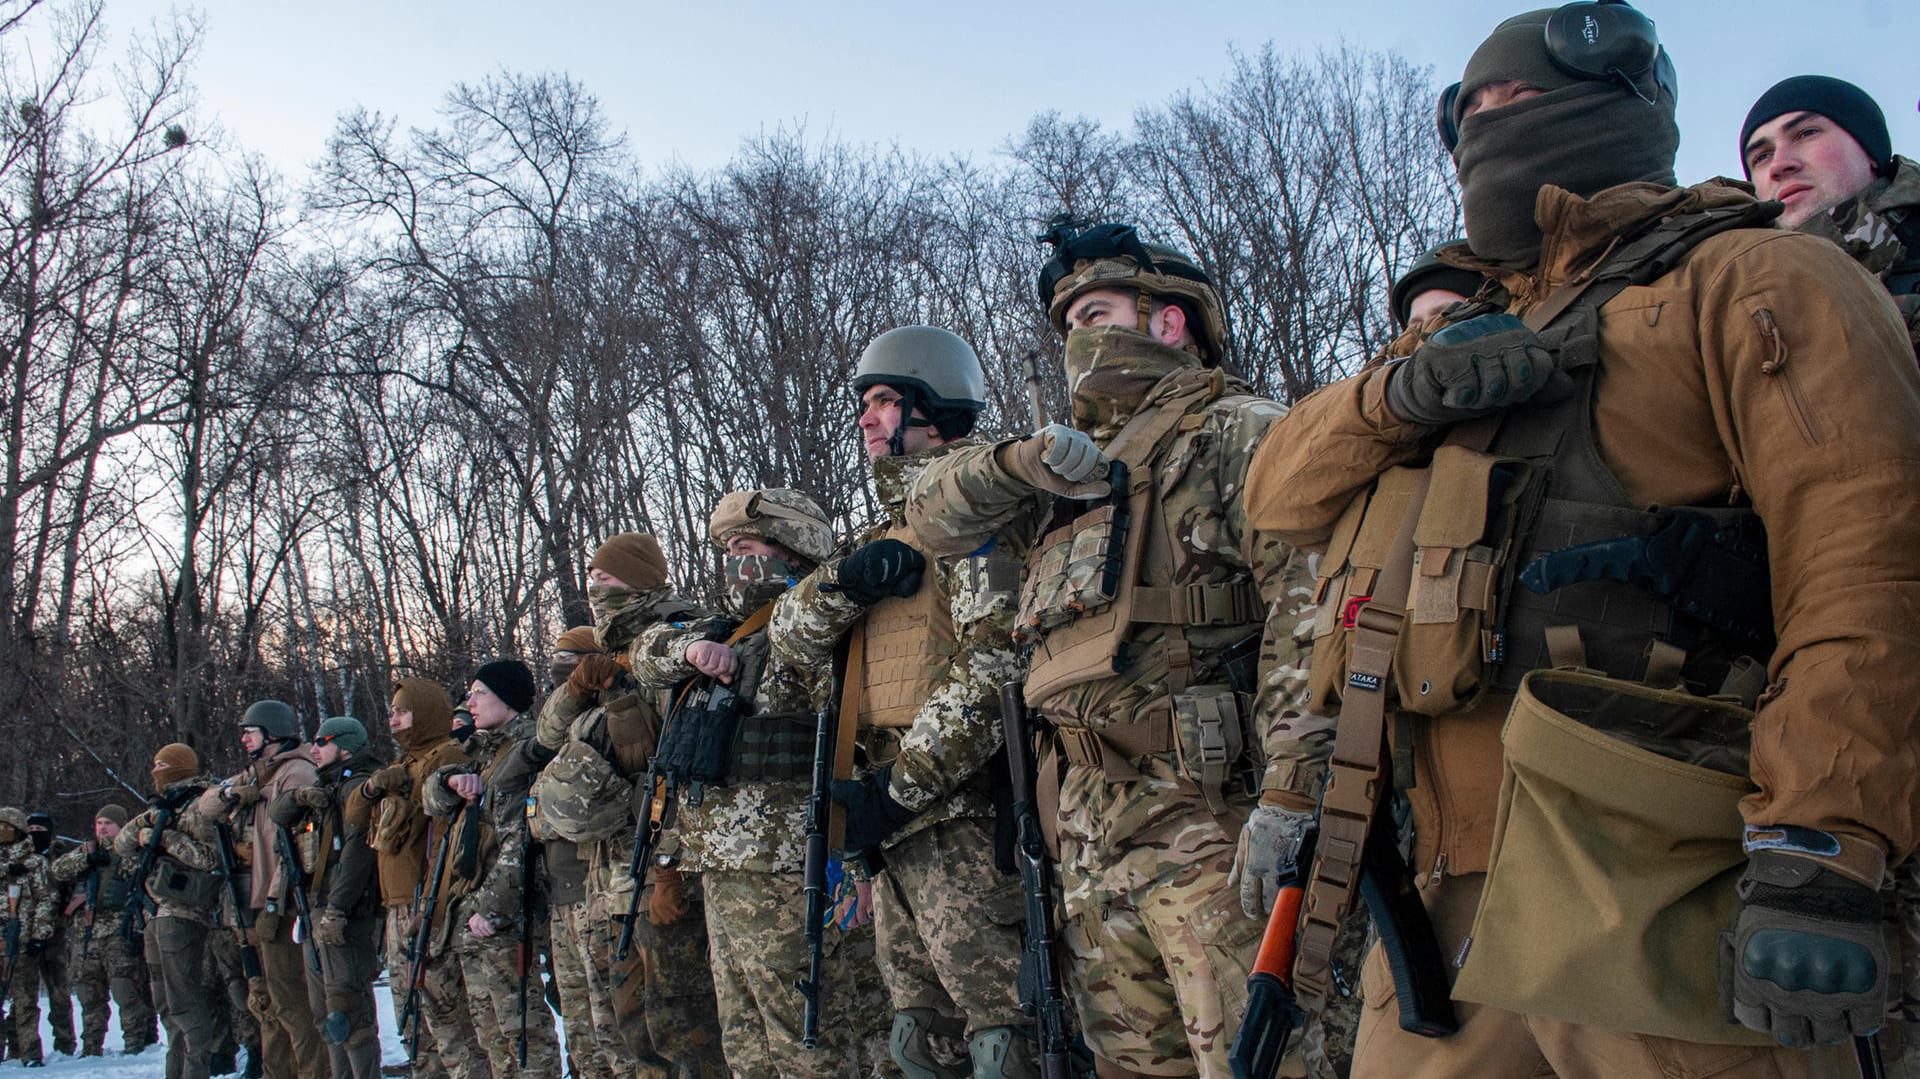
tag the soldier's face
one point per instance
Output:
(1430, 303)
(1499, 94)
(251, 739)
(1808, 162)
(744, 545)
(602, 577)
(326, 753)
(399, 719)
(104, 829)
(489, 711)
(880, 417)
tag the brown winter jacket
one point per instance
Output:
(1767, 367)
(402, 835)
(287, 770)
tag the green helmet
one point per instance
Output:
(779, 514)
(1112, 255)
(932, 370)
(1427, 273)
(274, 718)
(344, 731)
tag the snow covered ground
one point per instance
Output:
(152, 1062)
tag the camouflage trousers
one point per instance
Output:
(491, 970)
(583, 936)
(56, 977)
(176, 963)
(1176, 945)
(350, 970)
(107, 969)
(290, 1044)
(756, 923)
(234, 1027)
(947, 925)
(23, 1007)
(442, 1007)
(672, 990)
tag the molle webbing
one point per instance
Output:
(766, 745)
(910, 646)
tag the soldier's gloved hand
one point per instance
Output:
(1059, 460)
(884, 568)
(1475, 368)
(240, 795)
(668, 904)
(872, 814)
(1809, 964)
(337, 1028)
(98, 856)
(391, 780)
(144, 836)
(330, 927)
(591, 676)
(285, 810)
(312, 797)
(1268, 856)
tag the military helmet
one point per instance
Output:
(274, 718)
(1112, 255)
(344, 731)
(942, 370)
(16, 817)
(778, 514)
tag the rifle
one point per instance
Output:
(138, 902)
(814, 878)
(296, 877)
(523, 952)
(1273, 1012)
(423, 935)
(242, 906)
(12, 941)
(646, 839)
(1041, 995)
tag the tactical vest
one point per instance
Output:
(1099, 577)
(767, 745)
(910, 646)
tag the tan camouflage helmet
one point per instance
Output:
(779, 514)
(1112, 255)
(15, 816)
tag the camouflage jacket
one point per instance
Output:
(29, 891)
(758, 826)
(958, 727)
(497, 888)
(191, 839)
(77, 870)
(1116, 829)
(1862, 228)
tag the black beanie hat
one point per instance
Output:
(510, 680)
(1837, 100)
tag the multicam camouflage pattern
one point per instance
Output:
(105, 967)
(493, 1002)
(756, 923)
(1862, 229)
(958, 728)
(499, 756)
(583, 938)
(1135, 849)
(446, 1045)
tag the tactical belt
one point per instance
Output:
(1111, 748)
(1223, 604)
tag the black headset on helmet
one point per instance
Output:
(1598, 40)
(1074, 238)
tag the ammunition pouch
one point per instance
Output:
(773, 746)
(175, 882)
(1078, 570)
(1616, 852)
(698, 742)
(115, 888)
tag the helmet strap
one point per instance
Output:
(897, 442)
(1143, 306)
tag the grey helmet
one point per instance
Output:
(933, 370)
(274, 718)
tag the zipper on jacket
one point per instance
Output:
(1776, 367)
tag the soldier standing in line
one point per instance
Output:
(279, 761)
(56, 975)
(1144, 607)
(581, 921)
(405, 842)
(342, 894)
(29, 916)
(183, 888)
(927, 650)
(105, 966)
(490, 926)
(741, 817)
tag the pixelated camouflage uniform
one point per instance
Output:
(1863, 229)
(495, 890)
(746, 841)
(56, 969)
(105, 966)
(946, 918)
(29, 904)
(1154, 928)
(176, 934)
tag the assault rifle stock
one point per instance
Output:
(242, 905)
(646, 840)
(1041, 994)
(814, 876)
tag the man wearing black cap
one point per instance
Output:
(1820, 146)
(1603, 836)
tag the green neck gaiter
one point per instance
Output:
(1586, 138)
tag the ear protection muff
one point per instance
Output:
(1597, 40)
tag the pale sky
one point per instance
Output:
(687, 81)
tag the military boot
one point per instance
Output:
(1004, 1053)
(913, 1046)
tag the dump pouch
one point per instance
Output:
(178, 883)
(1616, 851)
(1212, 732)
(579, 794)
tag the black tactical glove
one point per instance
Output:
(872, 814)
(1808, 962)
(285, 809)
(98, 856)
(881, 569)
(1472, 369)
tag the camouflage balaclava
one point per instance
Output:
(13, 825)
(1582, 135)
(1110, 370)
(785, 518)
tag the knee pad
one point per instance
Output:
(911, 1047)
(1004, 1053)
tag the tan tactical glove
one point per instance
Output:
(240, 795)
(312, 797)
(591, 676)
(391, 780)
(669, 902)
(1059, 460)
(330, 927)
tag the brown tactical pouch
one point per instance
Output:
(394, 826)
(1615, 856)
(1463, 540)
(1077, 571)
(1212, 732)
